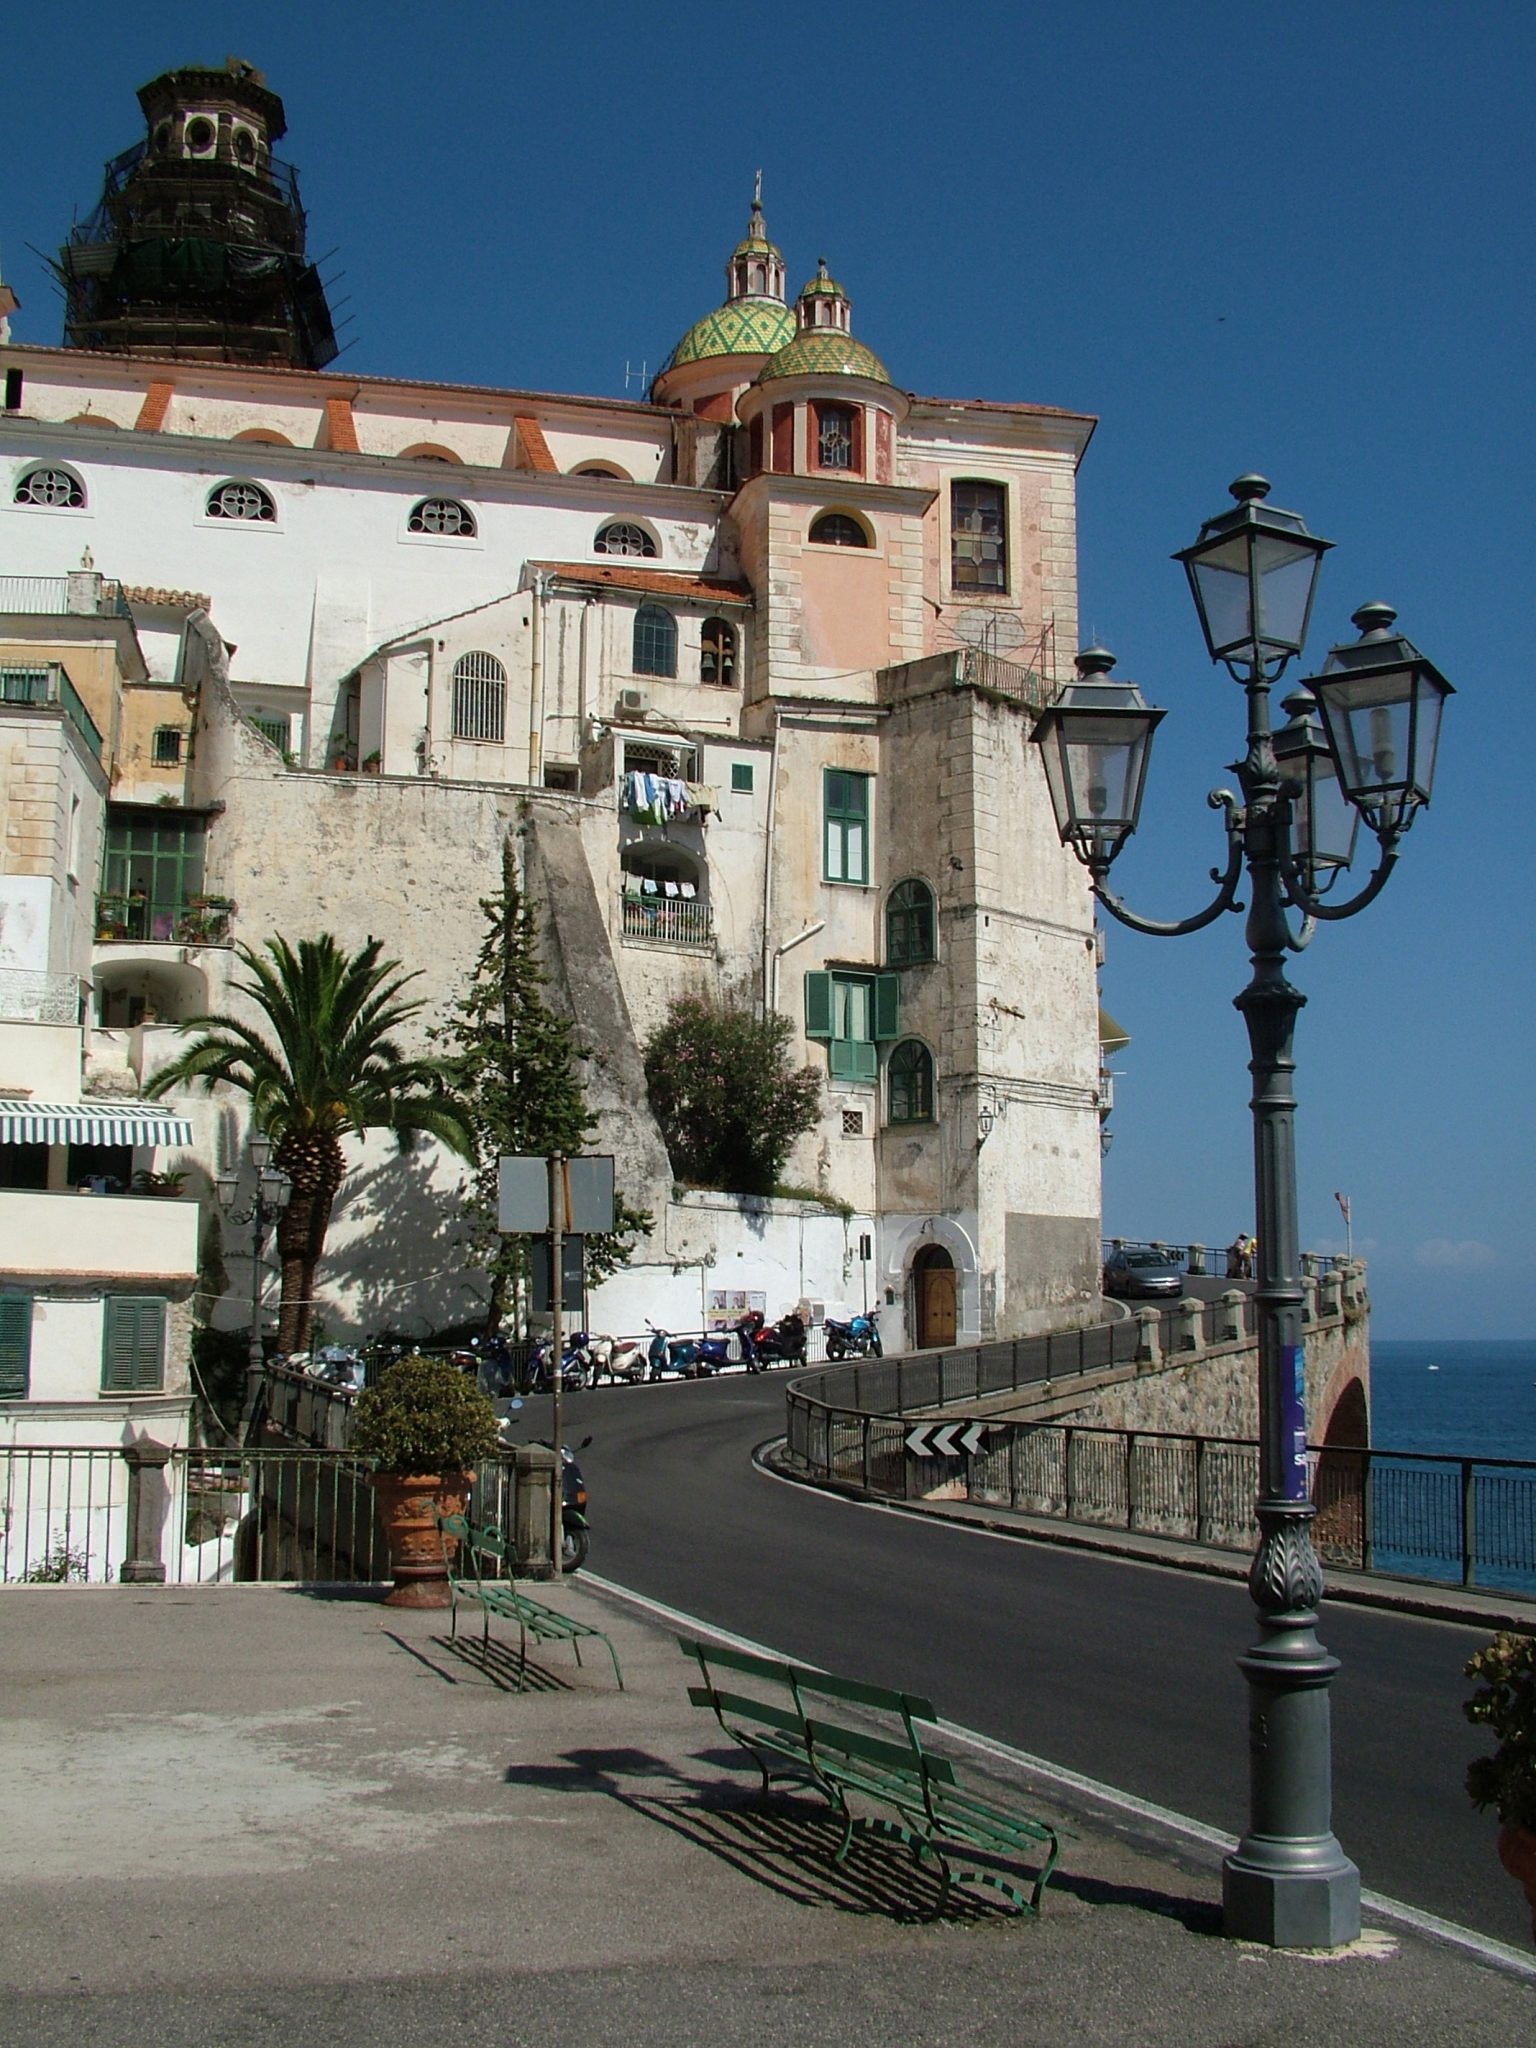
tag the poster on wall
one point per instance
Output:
(727, 1305)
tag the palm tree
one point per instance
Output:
(330, 1066)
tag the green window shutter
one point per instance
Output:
(133, 1345)
(887, 1006)
(866, 1061)
(15, 1346)
(842, 1058)
(818, 1005)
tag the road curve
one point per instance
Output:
(1120, 1671)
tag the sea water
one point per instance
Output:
(1454, 1399)
(1458, 1399)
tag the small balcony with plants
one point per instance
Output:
(136, 917)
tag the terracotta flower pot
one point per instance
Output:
(408, 1506)
(1517, 1853)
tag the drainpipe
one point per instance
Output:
(788, 947)
(773, 801)
(540, 588)
(583, 693)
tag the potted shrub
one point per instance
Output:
(1505, 1703)
(167, 1184)
(424, 1425)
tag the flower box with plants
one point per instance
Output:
(424, 1426)
(1505, 1703)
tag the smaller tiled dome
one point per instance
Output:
(824, 353)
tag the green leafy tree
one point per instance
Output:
(324, 1061)
(729, 1104)
(514, 1062)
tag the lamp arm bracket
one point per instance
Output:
(1316, 912)
(1225, 899)
(1298, 942)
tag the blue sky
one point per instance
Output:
(1289, 239)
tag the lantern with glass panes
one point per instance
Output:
(1358, 748)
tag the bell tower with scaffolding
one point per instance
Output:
(196, 249)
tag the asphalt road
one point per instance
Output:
(1120, 1671)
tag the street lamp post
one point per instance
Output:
(269, 1198)
(1359, 747)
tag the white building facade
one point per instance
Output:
(748, 671)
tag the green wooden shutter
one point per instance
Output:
(133, 1344)
(887, 1006)
(818, 1004)
(15, 1346)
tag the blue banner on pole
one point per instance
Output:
(1293, 1422)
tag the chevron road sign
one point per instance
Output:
(946, 1439)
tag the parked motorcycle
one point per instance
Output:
(575, 1365)
(859, 1337)
(780, 1343)
(575, 1532)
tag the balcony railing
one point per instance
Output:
(187, 921)
(669, 920)
(84, 594)
(29, 998)
(48, 683)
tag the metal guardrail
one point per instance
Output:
(55, 596)
(49, 683)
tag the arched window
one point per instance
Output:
(429, 451)
(909, 924)
(717, 654)
(909, 1083)
(268, 436)
(655, 642)
(243, 501)
(479, 698)
(441, 515)
(623, 537)
(838, 530)
(610, 470)
(47, 485)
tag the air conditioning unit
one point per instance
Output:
(633, 703)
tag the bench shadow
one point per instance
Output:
(492, 1660)
(787, 1846)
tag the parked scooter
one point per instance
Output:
(575, 1532)
(575, 1365)
(616, 1358)
(692, 1358)
(859, 1337)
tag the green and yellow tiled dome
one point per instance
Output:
(824, 352)
(741, 327)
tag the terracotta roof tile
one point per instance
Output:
(663, 582)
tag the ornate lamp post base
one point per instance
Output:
(1288, 1883)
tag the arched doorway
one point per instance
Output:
(934, 1285)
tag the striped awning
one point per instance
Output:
(91, 1123)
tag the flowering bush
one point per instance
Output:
(729, 1104)
(1505, 1702)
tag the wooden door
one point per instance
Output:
(936, 1305)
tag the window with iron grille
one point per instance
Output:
(978, 536)
(23, 686)
(441, 515)
(853, 1123)
(167, 747)
(132, 1344)
(678, 762)
(838, 530)
(655, 642)
(241, 501)
(623, 537)
(46, 486)
(15, 1345)
(479, 698)
(272, 726)
(834, 436)
(909, 1083)
(845, 826)
(909, 924)
(717, 654)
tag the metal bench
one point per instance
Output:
(784, 1724)
(488, 1585)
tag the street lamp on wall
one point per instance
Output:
(1359, 747)
(269, 1198)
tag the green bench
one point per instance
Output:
(782, 1715)
(487, 1584)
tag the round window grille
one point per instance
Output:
(241, 501)
(50, 487)
(441, 515)
(623, 538)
